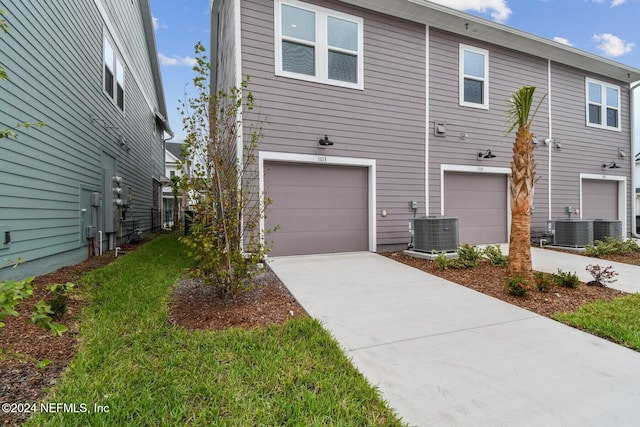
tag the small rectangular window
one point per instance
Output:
(318, 44)
(474, 81)
(113, 75)
(603, 105)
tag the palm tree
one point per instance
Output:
(522, 182)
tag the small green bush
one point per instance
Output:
(443, 261)
(611, 246)
(495, 256)
(544, 282)
(517, 286)
(566, 279)
(468, 255)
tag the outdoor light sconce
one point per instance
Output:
(622, 154)
(486, 155)
(324, 142)
(611, 165)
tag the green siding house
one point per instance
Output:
(79, 185)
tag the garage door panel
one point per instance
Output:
(316, 198)
(317, 208)
(479, 201)
(324, 219)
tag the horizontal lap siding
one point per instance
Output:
(53, 55)
(584, 149)
(508, 71)
(385, 121)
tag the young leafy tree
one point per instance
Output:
(523, 180)
(224, 243)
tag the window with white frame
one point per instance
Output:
(603, 105)
(113, 75)
(317, 44)
(474, 77)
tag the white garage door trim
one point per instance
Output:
(477, 169)
(370, 164)
(622, 199)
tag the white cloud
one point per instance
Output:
(563, 41)
(176, 60)
(611, 45)
(157, 25)
(614, 3)
(497, 9)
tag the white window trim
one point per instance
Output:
(321, 45)
(603, 105)
(485, 86)
(117, 59)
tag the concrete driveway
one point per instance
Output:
(445, 355)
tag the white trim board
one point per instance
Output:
(370, 164)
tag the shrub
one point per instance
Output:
(468, 256)
(517, 286)
(443, 261)
(612, 245)
(58, 299)
(566, 279)
(495, 256)
(544, 282)
(601, 276)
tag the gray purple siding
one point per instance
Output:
(485, 129)
(584, 149)
(385, 121)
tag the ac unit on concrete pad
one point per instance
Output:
(576, 233)
(435, 233)
(606, 227)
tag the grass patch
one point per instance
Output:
(148, 373)
(617, 320)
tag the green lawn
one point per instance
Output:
(149, 373)
(617, 320)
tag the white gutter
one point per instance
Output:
(550, 136)
(634, 145)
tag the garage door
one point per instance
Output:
(318, 208)
(479, 201)
(599, 199)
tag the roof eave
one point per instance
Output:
(454, 21)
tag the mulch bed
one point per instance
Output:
(195, 305)
(490, 280)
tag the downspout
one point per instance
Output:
(634, 144)
(549, 138)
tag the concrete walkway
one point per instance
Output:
(445, 355)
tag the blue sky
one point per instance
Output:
(609, 28)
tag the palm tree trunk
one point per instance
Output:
(522, 186)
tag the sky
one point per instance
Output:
(609, 28)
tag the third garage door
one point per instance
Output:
(479, 201)
(318, 208)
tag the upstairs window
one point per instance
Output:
(603, 105)
(474, 77)
(317, 44)
(113, 75)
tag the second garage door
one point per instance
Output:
(479, 201)
(318, 208)
(599, 199)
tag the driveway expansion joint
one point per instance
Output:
(455, 331)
